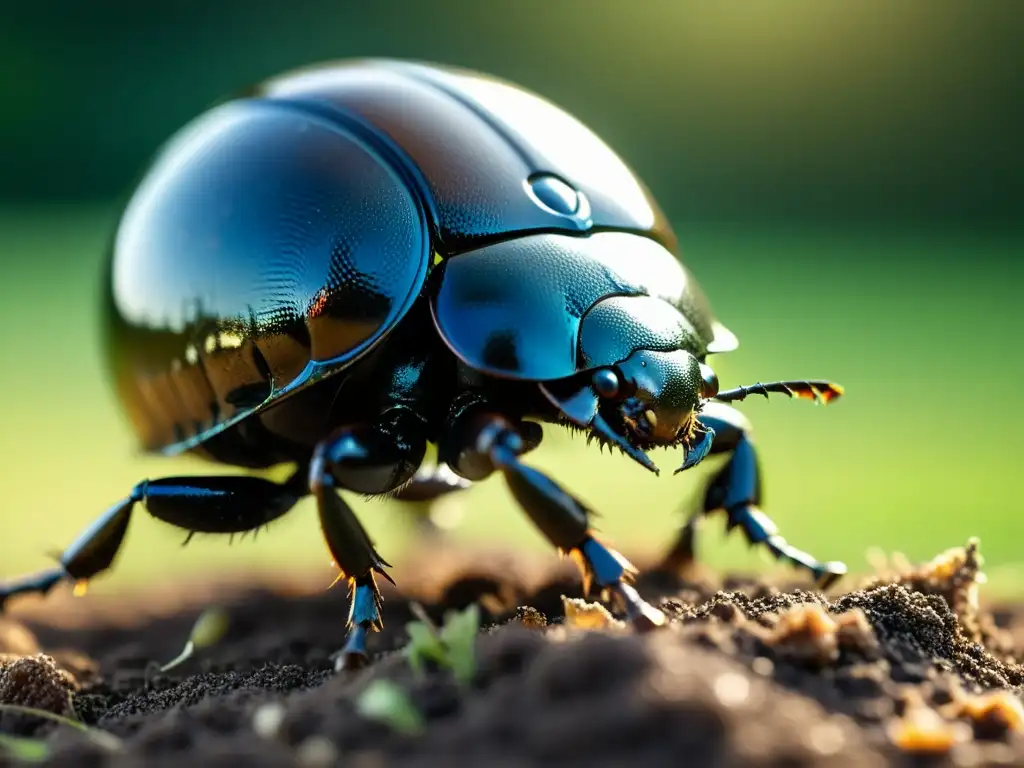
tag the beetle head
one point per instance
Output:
(655, 396)
(650, 399)
(641, 383)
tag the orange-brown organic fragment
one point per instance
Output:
(993, 715)
(855, 632)
(808, 633)
(580, 614)
(531, 618)
(923, 731)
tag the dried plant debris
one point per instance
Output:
(921, 730)
(530, 617)
(994, 715)
(808, 633)
(902, 669)
(585, 615)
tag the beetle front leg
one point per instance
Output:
(370, 459)
(737, 489)
(482, 441)
(229, 504)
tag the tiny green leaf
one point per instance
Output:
(23, 749)
(459, 636)
(453, 646)
(386, 702)
(424, 645)
(209, 628)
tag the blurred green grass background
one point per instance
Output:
(922, 453)
(846, 181)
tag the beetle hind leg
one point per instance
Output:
(229, 504)
(92, 552)
(737, 489)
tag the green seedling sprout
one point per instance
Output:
(107, 741)
(459, 637)
(209, 628)
(424, 641)
(386, 702)
(452, 646)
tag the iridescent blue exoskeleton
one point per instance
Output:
(349, 262)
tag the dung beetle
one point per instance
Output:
(348, 262)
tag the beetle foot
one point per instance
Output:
(759, 529)
(827, 574)
(642, 615)
(354, 655)
(611, 572)
(364, 617)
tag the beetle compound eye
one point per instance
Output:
(710, 381)
(606, 382)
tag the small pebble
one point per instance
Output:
(732, 689)
(826, 738)
(317, 752)
(266, 720)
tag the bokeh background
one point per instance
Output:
(845, 179)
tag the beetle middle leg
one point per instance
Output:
(225, 504)
(737, 489)
(480, 441)
(431, 483)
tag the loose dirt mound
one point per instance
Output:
(905, 670)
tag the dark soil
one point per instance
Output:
(905, 670)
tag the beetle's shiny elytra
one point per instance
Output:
(349, 262)
(278, 238)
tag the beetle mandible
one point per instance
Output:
(350, 261)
